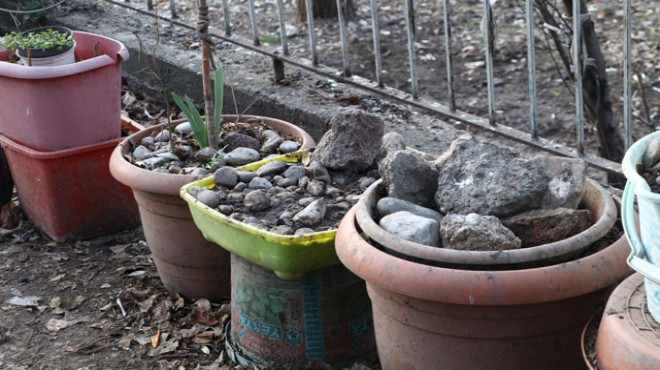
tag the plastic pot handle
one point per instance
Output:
(636, 259)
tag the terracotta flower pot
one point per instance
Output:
(628, 338)
(428, 317)
(186, 262)
(69, 193)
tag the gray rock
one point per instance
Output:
(199, 172)
(295, 172)
(304, 231)
(163, 136)
(305, 201)
(236, 198)
(365, 182)
(241, 156)
(246, 176)
(315, 188)
(411, 227)
(236, 140)
(652, 155)
(154, 162)
(168, 156)
(286, 182)
(194, 190)
(408, 176)
(240, 186)
(319, 172)
(544, 226)
(141, 153)
(225, 176)
(225, 209)
(257, 200)
(479, 177)
(184, 128)
(148, 141)
(565, 178)
(474, 232)
(205, 154)
(282, 230)
(286, 215)
(393, 141)
(389, 205)
(272, 168)
(332, 191)
(352, 142)
(272, 141)
(260, 183)
(209, 198)
(311, 215)
(288, 146)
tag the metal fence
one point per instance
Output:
(447, 109)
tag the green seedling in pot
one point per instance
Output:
(199, 128)
(42, 40)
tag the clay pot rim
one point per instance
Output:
(474, 287)
(605, 215)
(165, 183)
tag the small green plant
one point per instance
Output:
(42, 40)
(187, 106)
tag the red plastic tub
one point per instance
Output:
(70, 193)
(42, 107)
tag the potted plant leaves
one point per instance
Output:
(43, 46)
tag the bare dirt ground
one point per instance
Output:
(99, 304)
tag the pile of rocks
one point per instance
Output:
(178, 152)
(482, 196)
(312, 195)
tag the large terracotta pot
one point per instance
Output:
(428, 317)
(187, 263)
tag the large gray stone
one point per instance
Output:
(352, 142)
(225, 176)
(241, 156)
(565, 178)
(543, 226)
(409, 226)
(272, 168)
(474, 232)
(311, 215)
(408, 176)
(389, 205)
(479, 177)
(237, 140)
(257, 200)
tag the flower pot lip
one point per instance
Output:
(170, 184)
(631, 159)
(18, 71)
(41, 53)
(474, 287)
(605, 215)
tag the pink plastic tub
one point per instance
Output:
(55, 108)
(70, 193)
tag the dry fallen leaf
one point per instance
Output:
(55, 302)
(57, 324)
(155, 340)
(119, 248)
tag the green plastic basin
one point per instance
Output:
(286, 255)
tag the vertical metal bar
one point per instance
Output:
(448, 55)
(489, 40)
(225, 12)
(344, 41)
(312, 31)
(280, 15)
(253, 20)
(531, 68)
(375, 26)
(627, 75)
(577, 72)
(410, 30)
(173, 9)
